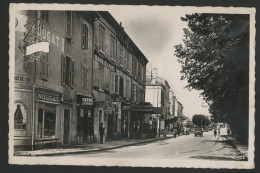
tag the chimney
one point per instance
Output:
(121, 25)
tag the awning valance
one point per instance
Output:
(147, 109)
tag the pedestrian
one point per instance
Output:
(174, 133)
(215, 133)
(228, 132)
(101, 132)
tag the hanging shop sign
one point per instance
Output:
(48, 35)
(46, 97)
(37, 47)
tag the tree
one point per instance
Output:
(200, 120)
(215, 60)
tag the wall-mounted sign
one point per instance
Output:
(54, 39)
(22, 79)
(87, 100)
(46, 97)
(105, 63)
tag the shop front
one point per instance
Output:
(144, 121)
(85, 119)
(47, 118)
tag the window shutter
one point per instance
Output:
(116, 84)
(86, 78)
(72, 73)
(112, 83)
(87, 35)
(82, 35)
(124, 88)
(63, 70)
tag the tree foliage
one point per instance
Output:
(200, 120)
(215, 59)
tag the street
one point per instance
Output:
(184, 147)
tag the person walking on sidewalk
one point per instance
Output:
(101, 132)
(215, 133)
(228, 132)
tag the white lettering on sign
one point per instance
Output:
(54, 39)
(47, 97)
(105, 63)
(87, 101)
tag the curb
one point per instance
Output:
(235, 144)
(91, 150)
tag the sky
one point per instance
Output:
(155, 32)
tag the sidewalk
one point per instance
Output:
(243, 149)
(89, 147)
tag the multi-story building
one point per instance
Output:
(118, 79)
(157, 93)
(53, 89)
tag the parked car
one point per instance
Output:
(198, 132)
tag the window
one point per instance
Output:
(19, 117)
(128, 61)
(84, 36)
(46, 121)
(44, 65)
(136, 67)
(127, 89)
(162, 97)
(121, 86)
(45, 16)
(69, 24)
(101, 77)
(102, 39)
(112, 82)
(84, 78)
(133, 66)
(135, 93)
(67, 71)
(121, 55)
(116, 83)
(112, 47)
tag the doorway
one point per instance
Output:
(110, 125)
(66, 133)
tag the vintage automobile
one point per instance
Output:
(198, 132)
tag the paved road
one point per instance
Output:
(185, 147)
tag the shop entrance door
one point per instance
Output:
(110, 126)
(66, 126)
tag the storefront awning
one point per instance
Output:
(147, 109)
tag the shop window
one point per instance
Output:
(84, 36)
(84, 79)
(102, 38)
(19, 117)
(44, 65)
(112, 47)
(67, 71)
(46, 121)
(69, 24)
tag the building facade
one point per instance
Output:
(53, 91)
(157, 93)
(118, 80)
